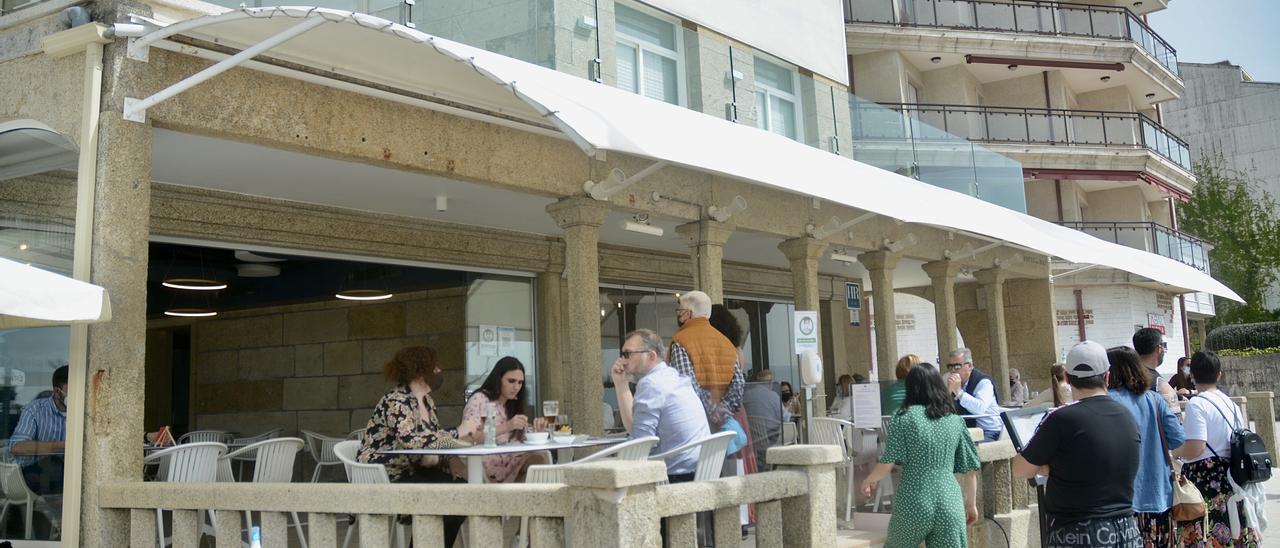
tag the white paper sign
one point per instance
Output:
(804, 329)
(487, 341)
(506, 339)
(866, 405)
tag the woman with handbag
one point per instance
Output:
(1207, 457)
(1152, 486)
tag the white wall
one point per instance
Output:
(917, 331)
(1113, 313)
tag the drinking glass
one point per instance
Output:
(550, 409)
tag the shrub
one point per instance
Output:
(1242, 336)
(1229, 352)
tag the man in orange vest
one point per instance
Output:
(700, 352)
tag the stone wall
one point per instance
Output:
(318, 366)
(1244, 374)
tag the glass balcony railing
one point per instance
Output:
(1022, 16)
(1045, 126)
(1153, 237)
(896, 141)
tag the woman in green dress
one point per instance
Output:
(931, 444)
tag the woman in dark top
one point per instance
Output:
(406, 418)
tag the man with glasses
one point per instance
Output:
(974, 393)
(664, 404)
(699, 351)
(39, 440)
(1151, 347)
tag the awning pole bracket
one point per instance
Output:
(617, 181)
(1054, 277)
(135, 110)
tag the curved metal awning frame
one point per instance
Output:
(600, 119)
(28, 147)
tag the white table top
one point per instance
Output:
(480, 450)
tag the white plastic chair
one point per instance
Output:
(789, 434)
(272, 463)
(711, 450)
(244, 457)
(195, 462)
(13, 486)
(321, 448)
(365, 473)
(269, 434)
(828, 431)
(202, 436)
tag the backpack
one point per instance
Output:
(1250, 460)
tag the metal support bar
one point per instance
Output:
(615, 182)
(135, 110)
(834, 225)
(973, 253)
(1054, 277)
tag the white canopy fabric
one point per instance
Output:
(31, 297)
(601, 118)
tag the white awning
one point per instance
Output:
(31, 297)
(604, 119)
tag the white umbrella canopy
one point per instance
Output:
(31, 297)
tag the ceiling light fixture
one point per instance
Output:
(190, 312)
(23, 246)
(841, 256)
(365, 283)
(194, 284)
(935, 60)
(1013, 67)
(1151, 96)
(640, 224)
(1105, 78)
(363, 295)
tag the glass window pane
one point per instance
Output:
(645, 28)
(507, 303)
(783, 115)
(774, 76)
(627, 67)
(660, 78)
(762, 110)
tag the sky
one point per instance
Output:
(1247, 32)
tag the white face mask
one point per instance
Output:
(1186, 370)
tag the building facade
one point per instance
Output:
(353, 157)
(1225, 111)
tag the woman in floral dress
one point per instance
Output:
(1209, 418)
(505, 387)
(405, 418)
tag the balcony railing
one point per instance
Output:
(1025, 125)
(1049, 18)
(1149, 236)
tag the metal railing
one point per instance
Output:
(1025, 125)
(1023, 16)
(1150, 236)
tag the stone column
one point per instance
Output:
(115, 371)
(838, 311)
(551, 357)
(580, 218)
(614, 504)
(809, 518)
(943, 276)
(992, 282)
(880, 265)
(706, 239)
(803, 253)
(1261, 408)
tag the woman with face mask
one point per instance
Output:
(1181, 381)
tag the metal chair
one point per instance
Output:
(828, 431)
(321, 448)
(272, 463)
(202, 436)
(195, 462)
(14, 489)
(365, 473)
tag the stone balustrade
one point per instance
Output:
(608, 503)
(1007, 504)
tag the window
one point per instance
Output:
(648, 52)
(776, 104)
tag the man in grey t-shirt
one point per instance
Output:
(664, 404)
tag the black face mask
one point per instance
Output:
(436, 381)
(786, 397)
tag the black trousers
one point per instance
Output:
(452, 524)
(44, 476)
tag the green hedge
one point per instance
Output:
(1249, 351)
(1242, 336)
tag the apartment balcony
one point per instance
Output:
(1083, 40)
(1110, 144)
(1151, 237)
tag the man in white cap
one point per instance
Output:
(1089, 450)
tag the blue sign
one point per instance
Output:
(853, 295)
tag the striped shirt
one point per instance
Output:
(40, 421)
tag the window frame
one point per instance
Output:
(641, 46)
(771, 91)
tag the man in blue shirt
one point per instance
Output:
(39, 439)
(664, 404)
(974, 392)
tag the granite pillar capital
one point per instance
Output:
(879, 260)
(991, 276)
(705, 232)
(942, 269)
(943, 274)
(706, 239)
(576, 211)
(802, 249)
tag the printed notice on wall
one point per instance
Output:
(487, 341)
(804, 328)
(506, 339)
(866, 405)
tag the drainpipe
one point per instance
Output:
(1057, 189)
(1080, 313)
